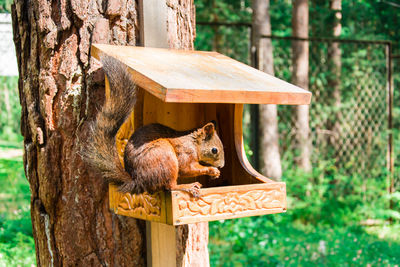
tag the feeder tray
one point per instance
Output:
(186, 89)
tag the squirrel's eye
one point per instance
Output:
(214, 150)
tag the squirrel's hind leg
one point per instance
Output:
(193, 188)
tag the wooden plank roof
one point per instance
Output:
(181, 76)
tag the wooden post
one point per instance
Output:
(161, 244)
(160, 238)
(169, 245)
(153, 23)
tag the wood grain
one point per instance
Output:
(216, 203)
(239, 146)
(153, 22)
(161, 244)
(182, 76)
(229, 202)
(144, 206)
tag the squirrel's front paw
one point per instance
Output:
(214, 173)
(195, 189)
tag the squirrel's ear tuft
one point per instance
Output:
(209, 129)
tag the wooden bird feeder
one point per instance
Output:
(184, 90)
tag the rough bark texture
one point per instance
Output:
(334, 54)
(192, 242)
(61, 87)
(300, 78)
(269, 156)
(181, 24)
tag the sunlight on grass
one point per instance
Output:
(386, 232)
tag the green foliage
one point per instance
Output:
(5, 6)
(326, 197)
(234, 10)
(17, 246)
(327, 207)
(321, 226)
(231, 41)
(10, 109)
(281, 17)
(19, 251)
(276, 241)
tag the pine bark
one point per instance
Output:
(300, 78)
(61, 88)
(269, 156)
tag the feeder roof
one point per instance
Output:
(182, 76)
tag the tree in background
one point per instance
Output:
(60, 85)
(300, 78)
(334, 56)
(269, 156)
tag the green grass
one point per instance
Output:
(322, 227)
(305, 236)
(10, 109)
(4, 145)
(274, 240)
(16, 242)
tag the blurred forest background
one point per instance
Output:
(344, 210)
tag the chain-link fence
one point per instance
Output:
(396, 119)
(231, 39)
(349, 112)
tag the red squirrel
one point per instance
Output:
(155, 155)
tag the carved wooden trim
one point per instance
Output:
(229, 202)
(142, 206)
(217, 203)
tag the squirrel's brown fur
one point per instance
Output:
(155, 155)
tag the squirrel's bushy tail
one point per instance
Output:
(101, 152)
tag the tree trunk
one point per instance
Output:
(300, 78)
(269, 156)
(336, 67)
(61, 88)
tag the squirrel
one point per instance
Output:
(155, 155)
